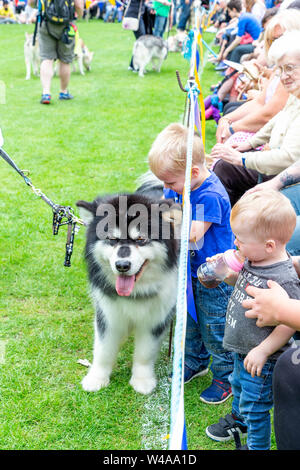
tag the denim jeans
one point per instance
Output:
(293, 194)
(236, 54)
(204, 339)
(252, 401)
(110, 9)
(160, 24)
(184, 15)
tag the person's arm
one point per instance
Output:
(262, 112)
(252, 115)
(296, 264)
(258, 356)
(79, 7)
(198, 230)
(231, 46)
(287, 177)
(272, 306)
(275, 160)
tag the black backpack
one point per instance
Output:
(58, 11)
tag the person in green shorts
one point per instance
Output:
(56, 42)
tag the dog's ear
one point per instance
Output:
(87, 210)
(171, 212)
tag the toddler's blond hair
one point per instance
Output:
(168, 151)
(268, 215)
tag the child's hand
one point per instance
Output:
(255, 360)
(214, 257)
(232, 278)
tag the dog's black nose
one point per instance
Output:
(123, 265)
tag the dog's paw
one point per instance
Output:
(93, 382)
(144, 385)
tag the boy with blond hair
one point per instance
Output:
(210, 231)
(263, 222)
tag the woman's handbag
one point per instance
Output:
(132, 15)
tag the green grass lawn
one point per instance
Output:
(97, 143)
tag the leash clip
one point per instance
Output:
(57, 218)
(72, 229)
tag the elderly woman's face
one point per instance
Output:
(289, 69)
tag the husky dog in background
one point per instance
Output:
(133, 277)
(148, 49)
(32, 56)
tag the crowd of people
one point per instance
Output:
(247, 326)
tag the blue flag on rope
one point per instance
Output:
(189, 293)
(184, 445)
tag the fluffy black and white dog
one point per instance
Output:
(131, 254)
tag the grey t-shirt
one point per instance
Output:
(241, 333)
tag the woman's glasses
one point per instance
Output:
(288, 69)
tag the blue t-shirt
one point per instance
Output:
(248, 23)
(209, 203)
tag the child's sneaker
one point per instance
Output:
(217, 393)
(190, 374)
(227, 429)
(46, 99)
(65, 96)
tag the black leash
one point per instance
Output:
(62, 215)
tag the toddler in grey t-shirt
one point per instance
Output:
(263, 222)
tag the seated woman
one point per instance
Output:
(254, 114)
(238, 168)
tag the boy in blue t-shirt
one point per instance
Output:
(210, 233)
(248, 30)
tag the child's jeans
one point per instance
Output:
(252, 401)
(204, 339)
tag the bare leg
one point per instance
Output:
(46, 75)
(64, 73)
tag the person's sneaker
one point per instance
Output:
(220, 67)
(227, 429)
(217, 393)
(46, 99)
(65, 96)
(190, 374)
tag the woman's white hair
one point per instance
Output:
(288, 44)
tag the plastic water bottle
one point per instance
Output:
(213, 272)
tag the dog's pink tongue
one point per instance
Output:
(125, 285)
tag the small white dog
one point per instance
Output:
(31, 55)
(83, 57)
(148, 49)
(175, 42)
